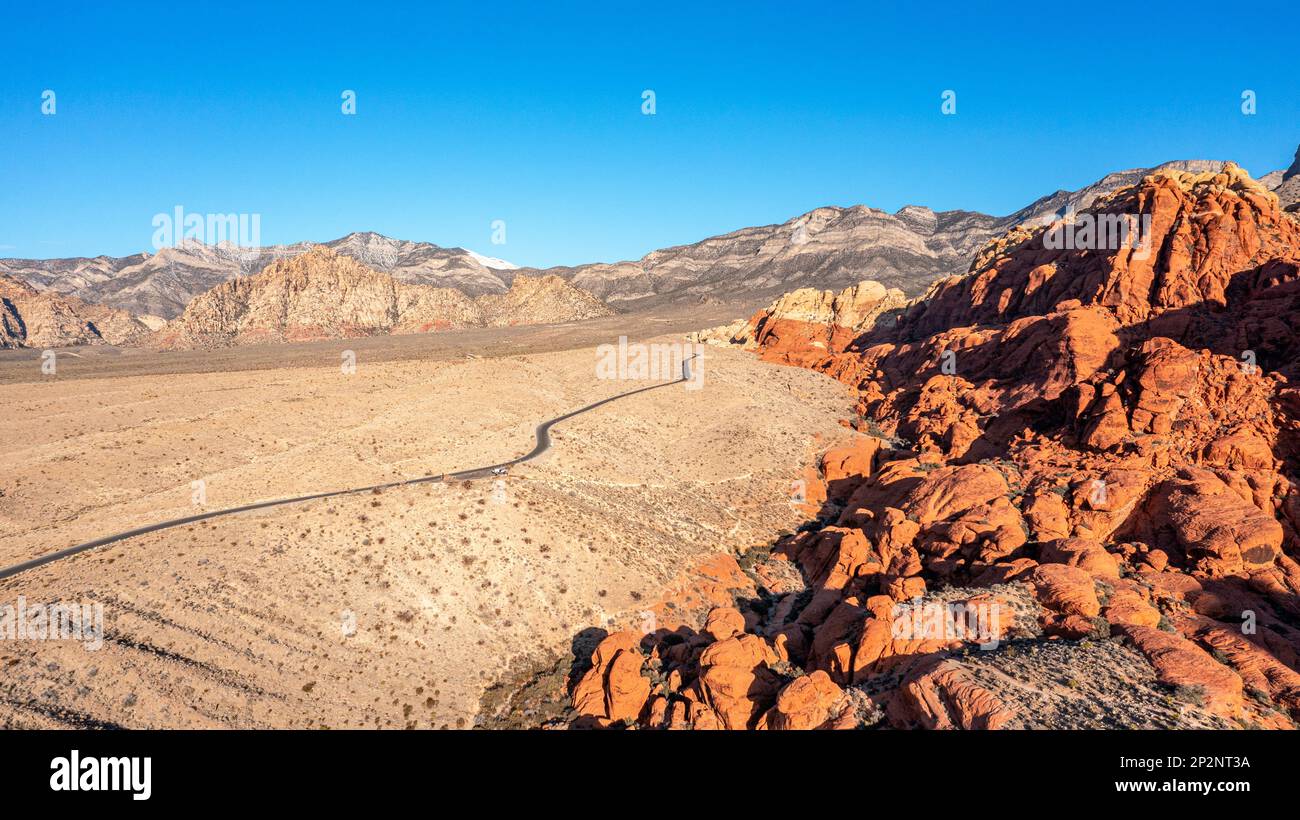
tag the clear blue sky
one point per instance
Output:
(531, 113)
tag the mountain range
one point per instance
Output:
(163, 283)
(828, 247)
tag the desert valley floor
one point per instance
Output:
(378, 610)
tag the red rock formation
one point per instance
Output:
(1114, 429)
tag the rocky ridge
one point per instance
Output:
(324, 294)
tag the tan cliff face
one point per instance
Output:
(31, 318)
(1105, 449)
(323, 294)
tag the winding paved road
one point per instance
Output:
(543, 444)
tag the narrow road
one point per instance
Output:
(543, 436)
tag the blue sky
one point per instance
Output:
(531, 113)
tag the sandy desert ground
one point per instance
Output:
(391, 609)
(97, 361)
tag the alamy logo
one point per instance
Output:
(659, 361)
(242, 230)
(82, 622)
(1102, 232)
(102, 774)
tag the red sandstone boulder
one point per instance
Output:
(846, 467)
(1220, 532)
(947, 491)
(1127, 606)
(944, 695)
(735, 681)
(724, 622)
(1066, 590)
(1179, 662)
(1241, 450)
(808, 702)
(613, 690)
(1089, 556)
